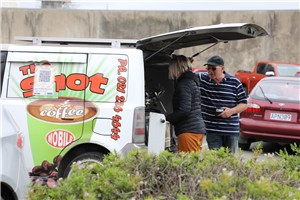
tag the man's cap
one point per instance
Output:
(214, 61)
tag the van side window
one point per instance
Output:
(73, 80)
(102, 88)
(40, 75)
(23, 76)
(3, 61)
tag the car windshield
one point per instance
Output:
(283, 91)
(297, 75)
(287, 70)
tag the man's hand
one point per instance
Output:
(191, 59)
(226, 113)
(230, 111)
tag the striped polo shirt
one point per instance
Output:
(228, 93)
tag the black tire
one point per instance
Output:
(245, 146)
(7, 193)
(96, 157)
(246, 91)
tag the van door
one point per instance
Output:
(45, 94)
(157, 130)
(168, 42)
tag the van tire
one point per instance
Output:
(95, 157)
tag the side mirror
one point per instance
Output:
(270, 73)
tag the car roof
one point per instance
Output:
(278, 63)
(199, 68)
(4, 47)
(281, 78)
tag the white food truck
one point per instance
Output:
(78, 99)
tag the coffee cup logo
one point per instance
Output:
(55, 123)
(62, 110)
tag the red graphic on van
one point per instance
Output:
(121, 85)
(59, 138)
(61, 81)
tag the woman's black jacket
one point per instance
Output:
(186, 116)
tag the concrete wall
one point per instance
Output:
(282, 44)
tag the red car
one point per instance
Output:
(273, 112)
(297, 74)
(199, 70)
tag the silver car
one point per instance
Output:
(13, 172)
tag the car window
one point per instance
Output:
(270, 68)
(284, 91)
(3, 61)
(261, 69)
(287, 70)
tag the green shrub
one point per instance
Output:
(209, 175)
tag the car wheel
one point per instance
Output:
(245, 89)
(244, 146)
(95, 157)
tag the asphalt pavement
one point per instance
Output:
(267, 147)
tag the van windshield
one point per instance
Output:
(3, 61)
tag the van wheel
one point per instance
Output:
(94, 157)
(246, 91)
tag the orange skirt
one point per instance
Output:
(188, 142)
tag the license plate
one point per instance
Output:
(281, 117)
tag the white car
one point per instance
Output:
(13, 172)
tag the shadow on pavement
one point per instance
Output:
(269, 147)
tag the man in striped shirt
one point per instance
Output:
(222, 98)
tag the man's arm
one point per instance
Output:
(230, 111)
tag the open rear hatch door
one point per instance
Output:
(168, 42)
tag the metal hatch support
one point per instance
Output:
(196, 54)
(186, 33)
(115, 43)
(217, 41)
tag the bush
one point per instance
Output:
(209, 175)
